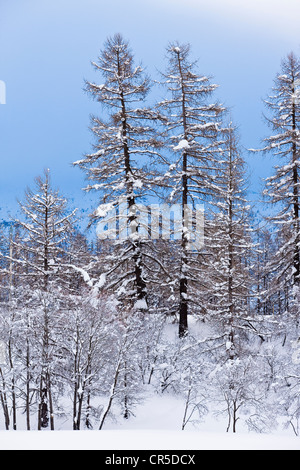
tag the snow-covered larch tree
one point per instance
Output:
(192, 136)
(46, 228)
(282, 189)
(122, 168)
(230, 243)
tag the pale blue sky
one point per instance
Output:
(47, 46)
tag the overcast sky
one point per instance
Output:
(47, 47)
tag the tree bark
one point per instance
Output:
(137, 258)
(183, 286)
(296, 274)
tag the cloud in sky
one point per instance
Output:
(282, 17)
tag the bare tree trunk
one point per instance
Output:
(10, 344)
(51, 410)
(126, 409)
(112, 393)
(137, 258)
(43, 418)
(75, 424)
(187, 403)
(230, 252)
(28, 379)
(183, 286)
(229, 415)
(43, 414)
(296, 273)
(76, 381)
(88, 407)
(3, 397)
(235, 417)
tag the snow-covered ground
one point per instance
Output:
(143, 440)
(156, 426)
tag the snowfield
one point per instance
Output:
(155, 426)
(143, 440)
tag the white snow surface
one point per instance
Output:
(155, 426)
(183, 144)
(142, 440)
(140, 304)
